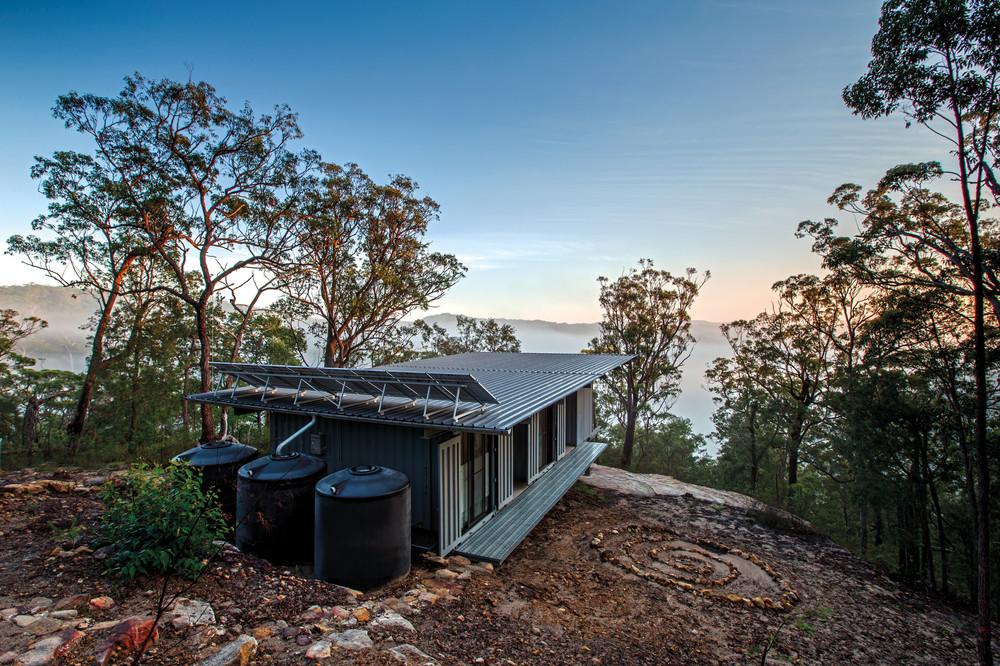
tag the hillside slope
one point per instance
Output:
(627, 569)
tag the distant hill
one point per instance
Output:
(63, 345)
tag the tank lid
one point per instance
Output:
(282, 468)
(362, 482)
(222, 452)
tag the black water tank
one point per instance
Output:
(362, 527)
(218, 463)
(274, 507)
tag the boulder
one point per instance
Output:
(102, 602)
(72, 601)
(318, 650)
(236, 652)
(49, 649)
(67, 614)
(130, 634)
(44, 625)
(349, 639)
(410, 654)
(392, 620)
(190, 613)
(37, 604)
(24, 620)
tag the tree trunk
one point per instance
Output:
(208, 433)
(794, 442)
(984, 641)
(331, 350)
(629, 441)
(79, 421)
(29, 426)
(942, 539)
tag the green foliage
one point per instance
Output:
(158, 521)
(472, 335)
(664, 444)
(646, 313)
(362, 262)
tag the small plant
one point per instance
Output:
(802, 625)
(823, 612)
(69, 532)
(158, 520)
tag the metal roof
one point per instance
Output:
(374, 382)
(519, 384)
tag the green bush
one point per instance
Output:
(157, 520)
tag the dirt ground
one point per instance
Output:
(606, 578)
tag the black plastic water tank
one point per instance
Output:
(218, 463)
(274, 507)
(362, 527)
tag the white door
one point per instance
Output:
(450, 495)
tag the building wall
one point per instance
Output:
(416, 452)
(348, 443)
(584, 414)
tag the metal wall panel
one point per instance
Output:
(349, 443)
(505, 469)
(560, 429)
(449, 525)
(534, 446)
(585, 414)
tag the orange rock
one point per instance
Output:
(362, 614)
(102, 602)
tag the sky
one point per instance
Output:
(563, 140)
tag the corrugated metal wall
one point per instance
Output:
(534, 446)
(349, 443)
(584, 414)
(505, 469)
(560, 429)
(449, 522)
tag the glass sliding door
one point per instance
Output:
(477, 477)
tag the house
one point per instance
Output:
(490, 441)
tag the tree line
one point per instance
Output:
(865, 398)
(204, 232)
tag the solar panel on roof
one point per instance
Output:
(413, 384)
(483, 391)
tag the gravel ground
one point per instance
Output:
(612, 575)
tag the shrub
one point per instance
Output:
(158, 520)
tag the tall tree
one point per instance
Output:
(233, 183)
(647, 313)
(362, 262)
(107, 210)
(938, 62)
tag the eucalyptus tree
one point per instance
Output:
(647, 313)
(13, 329)
(938, 63)
(362, 262)
(234, 182)
(745, 417)
(107, 209)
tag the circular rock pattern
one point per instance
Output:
(701, 566)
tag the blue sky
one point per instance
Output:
(563, 140)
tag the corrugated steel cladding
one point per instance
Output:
(523, 384)
(348, 443)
